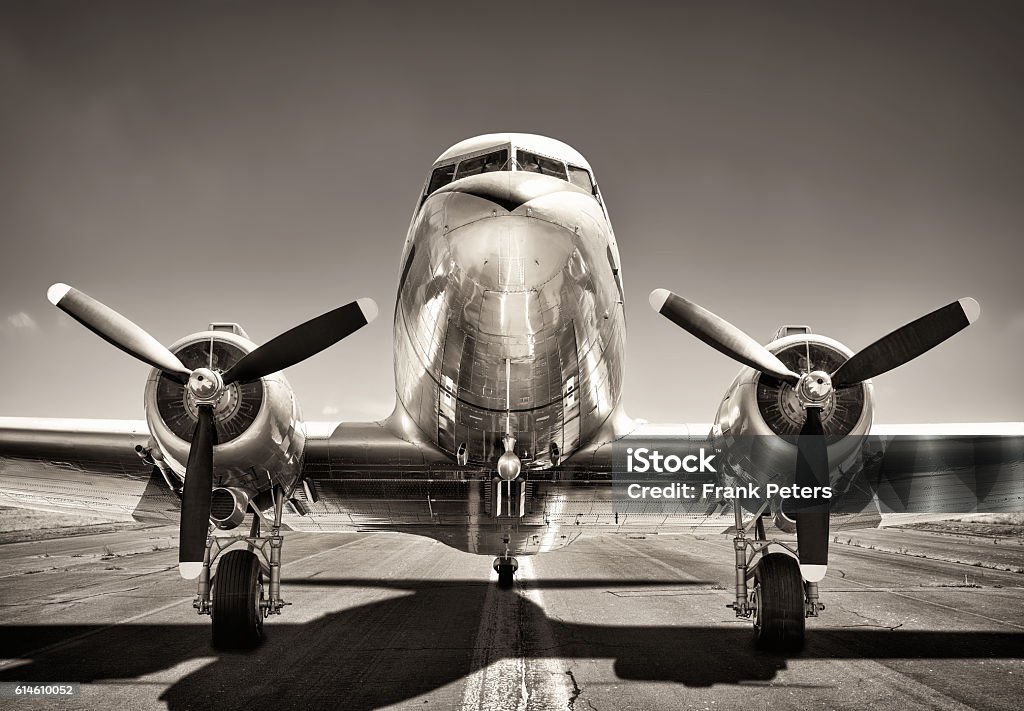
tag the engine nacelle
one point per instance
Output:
(260, 437)
(760, 417)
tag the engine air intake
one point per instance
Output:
(780, 403)
(236, 409)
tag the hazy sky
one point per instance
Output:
(846, 165)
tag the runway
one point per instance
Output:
(392, 621)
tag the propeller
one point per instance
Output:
(815, 388)
(720, 334)
(812, 520)
(207, 386)
(907, 342)
(888, 352)
(115, 329)
(195, 498)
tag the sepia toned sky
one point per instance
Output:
(845, 165)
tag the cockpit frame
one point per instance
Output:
(512, 164)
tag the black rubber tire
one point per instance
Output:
(779, 621)
(505, 576)
(237, 594)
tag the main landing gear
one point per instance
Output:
(235, 597)
(780, 600)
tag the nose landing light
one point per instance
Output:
(509, 466)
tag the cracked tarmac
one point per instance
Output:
(392, 621)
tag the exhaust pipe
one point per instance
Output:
(228, 506)
(782, 522)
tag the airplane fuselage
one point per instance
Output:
(509, 316)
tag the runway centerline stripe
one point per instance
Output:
(513, 682)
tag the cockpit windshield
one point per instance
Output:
(496, 160)
(488, 163)
(533, 163)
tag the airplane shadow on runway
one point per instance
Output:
(389, 651)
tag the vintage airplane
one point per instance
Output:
(509, 339)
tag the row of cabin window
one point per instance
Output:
(498, 160)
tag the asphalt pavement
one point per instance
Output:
(393, 621)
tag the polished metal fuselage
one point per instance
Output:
(509, 318)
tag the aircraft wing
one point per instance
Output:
(928, 472)
(82, 466)
(920, 472)
(374, 476)
(92, 466)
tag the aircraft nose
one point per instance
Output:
(499, 240)
(510, 252)
(510, 191)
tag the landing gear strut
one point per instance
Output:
(780, 600)
(238, 603)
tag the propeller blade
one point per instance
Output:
(719, 334)
(812, 520)
(907, 342)
(195, 499)
(303, 341)
(115, 329)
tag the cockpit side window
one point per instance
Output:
(487, 163)
(581, 178)
(440, 177)
(533, 163)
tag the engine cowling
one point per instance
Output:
(760, 417)
(259, 434)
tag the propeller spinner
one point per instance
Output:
(207, 386)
